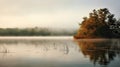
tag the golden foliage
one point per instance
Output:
(96, 25)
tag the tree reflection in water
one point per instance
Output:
(101, 51)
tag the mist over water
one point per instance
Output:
(58, 52)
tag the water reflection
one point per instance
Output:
(37, 52)
(101, 51)
(42, 44)
(52, 52)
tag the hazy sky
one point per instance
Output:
(50, 13)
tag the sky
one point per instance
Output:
(50, 13)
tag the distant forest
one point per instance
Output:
(35, 32)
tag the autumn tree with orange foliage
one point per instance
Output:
(97, 25)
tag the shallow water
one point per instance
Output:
(58, 52)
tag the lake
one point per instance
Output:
(58, 52)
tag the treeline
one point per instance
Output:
(35, 32)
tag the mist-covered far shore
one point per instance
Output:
(37, 31)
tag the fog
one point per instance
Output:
(50, 13)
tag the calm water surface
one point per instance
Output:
(58, 52)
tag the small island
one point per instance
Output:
(100, 24)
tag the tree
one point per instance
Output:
(97, 25)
